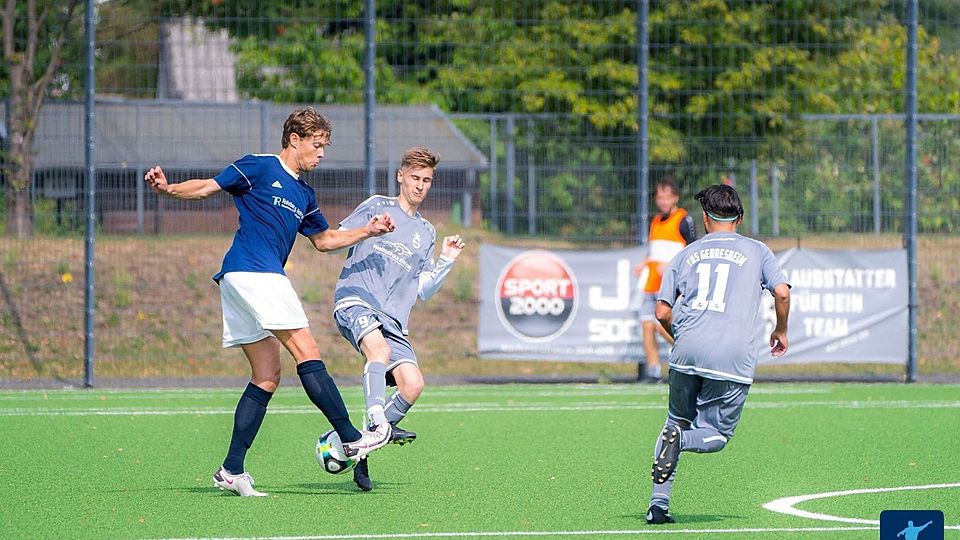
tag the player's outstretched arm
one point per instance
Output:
(335, 239)
(431, 280)
(781, 304)
(189, 190)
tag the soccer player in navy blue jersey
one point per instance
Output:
(261, 311)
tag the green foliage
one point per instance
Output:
(51, 18)
(729, 83)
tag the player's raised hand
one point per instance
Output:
(452, 246)
(380, 224)
(157, 180)
(778, 344)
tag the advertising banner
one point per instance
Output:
(571, 305)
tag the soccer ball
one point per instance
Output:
(330, 454)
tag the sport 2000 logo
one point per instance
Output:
(537, 295)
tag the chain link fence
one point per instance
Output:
(533, 108)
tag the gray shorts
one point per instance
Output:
(355, 322)
(706, 403)
(648, 307)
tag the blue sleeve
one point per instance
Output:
(240, 176)
(773, 275)
(313, 220)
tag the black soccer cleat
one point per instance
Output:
(361, 475)
(401, 436)
(666, 462)
(658, 516)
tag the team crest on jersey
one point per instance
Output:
(416, 241)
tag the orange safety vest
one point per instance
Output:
(665, 242)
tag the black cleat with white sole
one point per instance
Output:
(665, 462)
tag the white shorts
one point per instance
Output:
(255, 303)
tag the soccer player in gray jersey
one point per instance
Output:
(709, 302)
(380, 282)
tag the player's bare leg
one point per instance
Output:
(651, 350)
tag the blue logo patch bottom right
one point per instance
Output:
(911, 525)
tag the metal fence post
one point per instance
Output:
(511, 158)
(90, 135)
(775, 185)
(465, 219)
(875, 158)
(531, 182)
(910, 230)
(494, 211)
(370, 95)
(754, 200)
(140, 172)
(643, 152)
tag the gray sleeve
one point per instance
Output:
(773, 274)
(668, 286)
(359, 217)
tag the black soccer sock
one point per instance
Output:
(397, 408)
(323, 392)
(246, 423)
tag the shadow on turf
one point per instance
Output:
(683, 518)
(304, 488)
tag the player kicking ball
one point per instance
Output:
(709, 302)
(378, 286)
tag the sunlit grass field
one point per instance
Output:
(522, 461)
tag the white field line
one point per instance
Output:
(473, 407)
(436, 391)
(487, 534)
(786, 504)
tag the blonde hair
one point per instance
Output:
(419, 157)
(305, 123)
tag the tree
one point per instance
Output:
(34, 36)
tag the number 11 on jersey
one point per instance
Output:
(707, 297)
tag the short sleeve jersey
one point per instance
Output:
(714, 286)
(274, 205)
(383, 272)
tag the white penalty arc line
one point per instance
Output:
(786, 504)
(487, 534)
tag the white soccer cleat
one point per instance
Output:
(369, 441)
(241, 484)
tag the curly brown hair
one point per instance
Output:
(305, 123)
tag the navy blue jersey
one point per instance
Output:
(274, 205)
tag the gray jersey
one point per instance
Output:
(383, 272)
(720, 279)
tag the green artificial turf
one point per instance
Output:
(535, 461)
